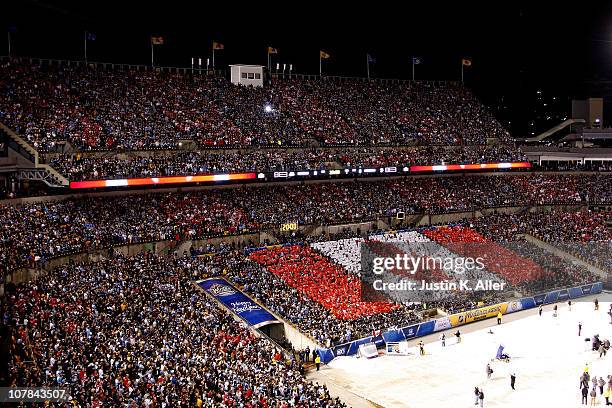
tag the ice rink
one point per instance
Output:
(546, 353)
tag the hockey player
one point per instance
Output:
(422, 348)
(540, 310)
(579, 328)
(512, 380)
(584, 380)
(585, 393)
(443, 339)
(555, 311)
(489, 371)
(476, 394)
(595, 343)
(569, 305)
(596, 304)
(458, 335)
(499, 317)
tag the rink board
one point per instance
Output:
(458, 319)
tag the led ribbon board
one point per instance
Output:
(211, 178)
(483, 166)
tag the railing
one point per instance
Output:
(199, 71)
(22, 147)
(109, 66)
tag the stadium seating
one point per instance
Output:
(39, 231)
(320, 280)
(94, 109)
(91, 166)
(121, 332)
(103, 109)
(496, 258)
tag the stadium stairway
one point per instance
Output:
(553, 130)
(28, 161)
(181, 248)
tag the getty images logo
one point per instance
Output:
(219, 290)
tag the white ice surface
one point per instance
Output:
(547, 356)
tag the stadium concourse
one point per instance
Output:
(100, 293)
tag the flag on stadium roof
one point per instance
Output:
(157, 40)
(324, 55)
(416, 60)
(90, 36)
(218, 46)
(272, 50)
(467, 62)
(371, 59)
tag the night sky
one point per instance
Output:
(517, 48)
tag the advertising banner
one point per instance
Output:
(563, 295)
(585, 290)
(539, 299)
(527, 303)
(354, 346)
(426, 328)
(477, 314)
(551, 297)
(410, 331)
(326, 355)
(341, 350)
(442, 323)
(237, 302)
(394, 336)
(514, 306)
(379, 341)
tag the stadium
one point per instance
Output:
(349, 220)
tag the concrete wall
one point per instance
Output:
(24, 274)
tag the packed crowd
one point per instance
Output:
(585, 234)
(32, 233)
(574, 166)
(325, 282)
(93, 166)
(358, 201)
(38, 231)
(562, 273)
(467, 242)
(104, 109)
(349, 253)
(302, 309)
(80, 167)
(430, 155)
(135, 332)
(525, 265)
